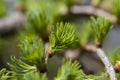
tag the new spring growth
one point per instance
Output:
(33, 50)
(100, 28)
(63, 36)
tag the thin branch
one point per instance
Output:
(73, 54)
(46, 51)
(104, 59)
(90, 10)
(11, 22)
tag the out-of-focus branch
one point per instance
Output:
(73, 54)
(90, 10)
(17, 19)
(104, 59)
(11, 22)
(46, 51)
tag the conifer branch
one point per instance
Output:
(116, 8)
(100, 27)
(22, 71)
(20, 67)
(33, 51)
(6, 75)
(104, 59)
(34, 75)
(63, 36)
(70, 71)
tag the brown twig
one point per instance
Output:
(11, 22)
(104, 59)
(90, 10)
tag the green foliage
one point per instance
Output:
(96, 2)
(6, 75)
(2, 8)
(33, 50)
(20, 67)
(118, 75)
(3, 43)
(116, 8)
(85, 33)
(34, 76)
(100, 28)
(70, 71)
(115, 56)
(23, 71)
(95, 77)
(69, 3)
(39, 21)
(63, 36)
(40, 16)
(43, 77)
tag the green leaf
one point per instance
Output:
(70, 71)
(116, 8)
(2, 8)
(33, 50)
(63, 36)
(23, 71)
(34, 76)
(39, 21)
(118, 75)
(40, 15)
(85, 34)
(6, 75)
(20, 67)
(100, 28)
(114, 55)
(69, 3)
(96, 2)
(100, 77)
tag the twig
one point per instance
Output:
(90, 10)
(73, 54)
(11, 22)
(104, 59)
(46, 51)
